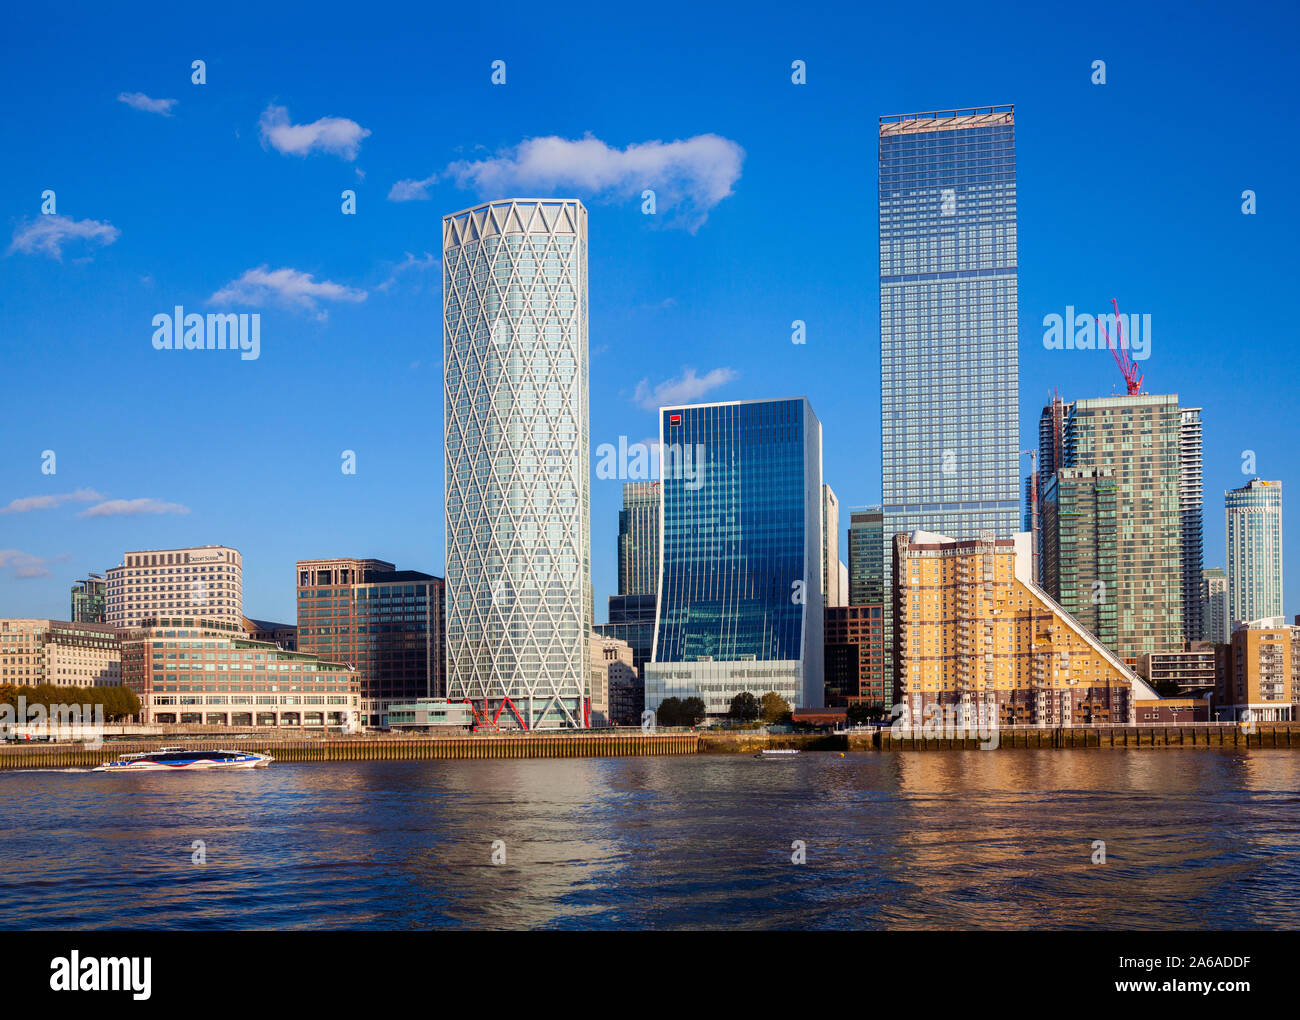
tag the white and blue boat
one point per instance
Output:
(181, 759)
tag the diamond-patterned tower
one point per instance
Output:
(517, 477)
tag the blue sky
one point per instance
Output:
(1131, 189)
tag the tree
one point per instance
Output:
(860, 712)
(775, 708)
(744, 707)
(669, 712)
(692, 711)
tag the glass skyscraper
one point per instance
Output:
(1253, 519)
(740, 601)
(949, 394)
(517, 463)
(866, 557)
(638, 539)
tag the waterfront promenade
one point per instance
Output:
(633, 742)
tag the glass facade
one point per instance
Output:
(638, 539)
(89, 600)
(386, 623)
(1253, 517)
(866, 557)
(517, 464)
(950, 427)
(741, 574)
(1135, 442)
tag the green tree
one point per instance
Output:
(744, 707)
(692, 712)
(669, 712)
(775, 708)
(861, 714)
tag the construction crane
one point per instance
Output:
(1127, 367)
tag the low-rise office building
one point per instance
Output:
(59, 652)
(431, 714)
(611, 670)
(209, 672)
(284, 635)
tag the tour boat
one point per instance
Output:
(172, 759)
(777, 754)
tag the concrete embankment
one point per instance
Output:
(565, 745)
(1203, 735)
(634, 742)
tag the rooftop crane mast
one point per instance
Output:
(1127, 366)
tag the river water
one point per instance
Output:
(999, 840)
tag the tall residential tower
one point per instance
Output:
(949, 394)
(1253, 516)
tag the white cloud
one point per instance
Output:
(23, 565)
(46, 235)
(684, 390)
(26, 504)
(689, 176)
(286, 286)
(336, 135)
(419, 265)
(139, 101)
(130, 507)
(411, 191)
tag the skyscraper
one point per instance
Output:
(1253, 518)
(385, 623)
(1192, 501)
(1124, 557)
(866, 557)
(949, 401)
(517, 462)
(830, 547)
(740, 601)
(1079, 554)
(638, 539)
(1214, 606)
(88, 599)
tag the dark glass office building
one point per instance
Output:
(950, 423)
(740, 601)
(386, 623)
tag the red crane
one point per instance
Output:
(1127, 367)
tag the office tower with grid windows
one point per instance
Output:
(638, 539)
(518, 539)
(740, 600)
(949, 400)
(866, 557)
(205, 582)
(385, 623)
(1253, 519)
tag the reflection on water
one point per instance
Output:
(1194, 839)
